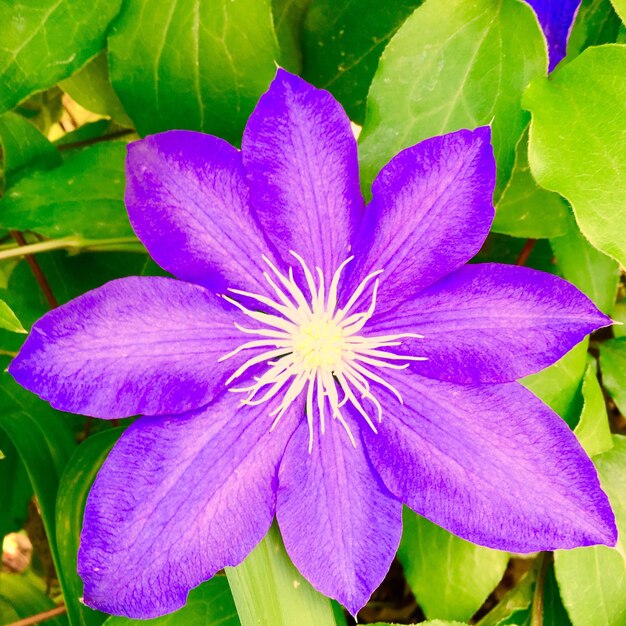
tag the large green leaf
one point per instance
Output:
(343, 40)
(454, 64)
(91, 88)
(593, 272)
(592, 580)
(44, 41)
(15, 499)
(593, 430)
(559, 385)
(21, 598)
(450, 577)
(613, 368)
(525, 209)
(210, 604)
(73, 489)
(578, 141)
(8, 319)
(596, 23)
(83, 197)
(288, 23)
(191, 64)
(24, 148)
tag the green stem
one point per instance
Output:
(73, 242)
(543, 562)
(268, 589)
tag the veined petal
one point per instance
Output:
(556, 20)
(340, 525)
(188, 202)
(491, 464)
(430, 213)
(146, 345)
(179, 498)
(301, 159)
(492, 323)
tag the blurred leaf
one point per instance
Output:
(585, 166)
(593, 272)
(525, 209)
(613, 368)
(43, 110)
(8, 320)
(619, 315)
(559, 385)
(434, 622)
(343, 40)
(20, 598)
(450, 577)
(83, 197)
(44, 41)
(210, 604)
(452, 65)
(75, 484)
(195, 65)
(91, 88)
(504, 249)
(596, 23)
(288, 24)
(592, 580)
(15, 499)
(24, 148)
(593, 430)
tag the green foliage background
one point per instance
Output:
(81, 78)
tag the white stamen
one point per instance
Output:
(310, 346)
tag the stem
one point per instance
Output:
(89, 142)
(71, 242)
(40, 617)
(536, 617)
(526, 251)
(268, 589)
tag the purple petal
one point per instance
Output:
(340, 525)
(178, 499)
(301, 159)
(188, 202)
(491, 464)
(430, 213)
(492, 323)
(136, 345)
(556, 18)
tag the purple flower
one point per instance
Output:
(316, 361)
(556, 18)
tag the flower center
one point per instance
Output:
(314, 348)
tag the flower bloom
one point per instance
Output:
(316, 361)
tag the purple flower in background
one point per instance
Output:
(556, 18)
(317, 361)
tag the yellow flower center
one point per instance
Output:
(319, 343)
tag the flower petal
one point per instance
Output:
(188, 202)
(430, 213)
(301, 159)
(136, 345)
(492, 323)
(491, 464)
(340, 525)
(178, 499)
(556, 20)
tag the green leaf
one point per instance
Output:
(450, 577)
(210, 604)
(83, 197)
(186, 64)
(619, 315)
(268, 589)
(45, 41)
(434, 622)
(24, 148)
(620, 8)
(74, 486)
(593, 272)
(452, 65)
(525, 209)
(596, 23)
(14, 509)
(613, 368)
(578, 141)
(592, 580)
(8, 320)
(343, 41)
(559, 385)
(288, 23)
(554, 613)
(593, 430)
(21, 598)
(91, 88)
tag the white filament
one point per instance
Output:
(315, 348)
